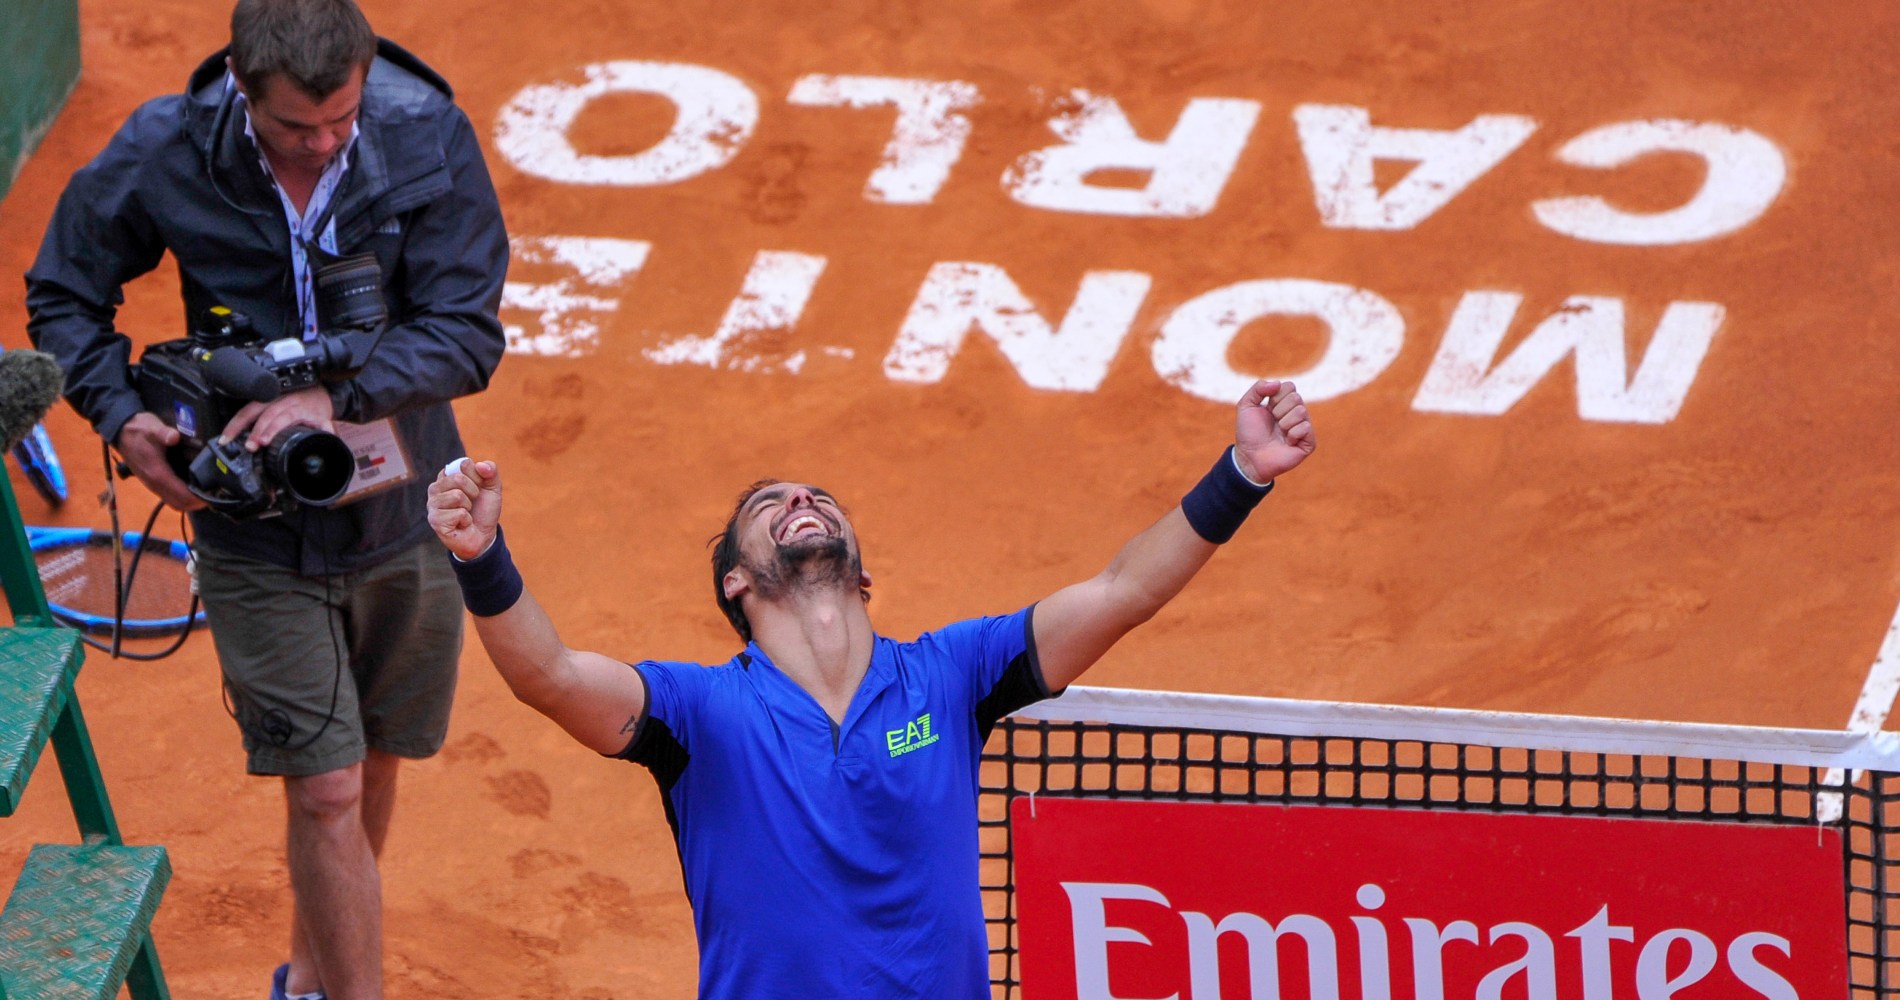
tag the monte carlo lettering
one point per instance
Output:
(577, 285)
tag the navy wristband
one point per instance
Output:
(490, 582)
(1217, 505)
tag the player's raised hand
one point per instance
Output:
(1272, 432)
(465, 506)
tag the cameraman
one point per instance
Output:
(338, 629)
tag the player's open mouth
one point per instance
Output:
(803, 525)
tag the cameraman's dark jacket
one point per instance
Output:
(181, 175)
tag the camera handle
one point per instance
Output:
(234, 373)
(294, 365)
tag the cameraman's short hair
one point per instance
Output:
(315, 44)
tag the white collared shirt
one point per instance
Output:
(327, 185)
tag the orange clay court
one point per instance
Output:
(1593, 304)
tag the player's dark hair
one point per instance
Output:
(725, 556)
(315, 44)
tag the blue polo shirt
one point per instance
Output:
(836, 861)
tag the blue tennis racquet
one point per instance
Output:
(40, 462)
(78, 569)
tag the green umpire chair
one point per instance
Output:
(78, 922)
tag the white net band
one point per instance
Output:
(1287, 717)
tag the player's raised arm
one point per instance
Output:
(1077, 624)
(596, 698)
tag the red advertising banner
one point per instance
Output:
(1126, 900)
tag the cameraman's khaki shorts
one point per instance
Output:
(320, 668)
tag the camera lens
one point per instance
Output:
(315, 467)
(350, 293)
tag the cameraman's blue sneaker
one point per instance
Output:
(277, 986)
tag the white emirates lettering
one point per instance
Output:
(1667, 963)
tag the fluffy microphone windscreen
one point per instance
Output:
(29, 385)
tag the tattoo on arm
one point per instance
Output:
(633, 722)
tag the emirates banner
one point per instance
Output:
(1128, 900)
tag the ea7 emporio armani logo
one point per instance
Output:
(914, 736)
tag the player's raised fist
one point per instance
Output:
(465, 506)
(1272, 431)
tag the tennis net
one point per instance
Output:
(1432, 810)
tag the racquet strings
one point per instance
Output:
(81, 581)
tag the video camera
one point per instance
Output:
(197, 383)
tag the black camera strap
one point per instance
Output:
(313, 234)
(315, 260)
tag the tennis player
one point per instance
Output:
(822, 784)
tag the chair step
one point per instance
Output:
(37, 667)
(76, 919)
